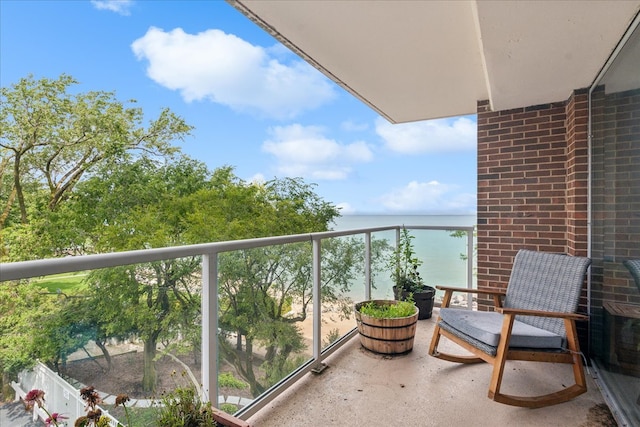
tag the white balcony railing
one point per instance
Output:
(209, 253)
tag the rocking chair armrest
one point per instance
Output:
(498, 292)
(540, 313)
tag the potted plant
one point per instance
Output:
(387, 326)
(404, 264)
(183, 408)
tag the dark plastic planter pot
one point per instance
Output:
(423, 300)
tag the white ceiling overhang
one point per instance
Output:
(415, 60)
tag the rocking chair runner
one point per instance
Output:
(534, 320)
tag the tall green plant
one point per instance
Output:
(403, 264)
(183, 408)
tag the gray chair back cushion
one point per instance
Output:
(548, 282)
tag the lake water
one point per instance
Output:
(439, 251)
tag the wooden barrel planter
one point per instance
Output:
(386, 336)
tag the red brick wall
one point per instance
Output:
(577, 128)
(532, 183)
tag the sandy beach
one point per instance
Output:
(332, 319)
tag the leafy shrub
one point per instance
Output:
(229, 408)
(226, 379)
(183, 408)
(332, 336)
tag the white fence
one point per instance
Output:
(60, 396)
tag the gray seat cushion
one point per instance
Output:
(485, 326)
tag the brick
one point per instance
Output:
(533, 186)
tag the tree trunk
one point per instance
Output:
(105, 353)
(270, 353)
(150, 376)
(17, 185)
(250, 376)
(238, 341)
(284, 355)
(197, 352)
(243, 362)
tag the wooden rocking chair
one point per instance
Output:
(534, 320)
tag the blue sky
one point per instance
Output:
(254, 105)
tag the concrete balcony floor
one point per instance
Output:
(362, 388)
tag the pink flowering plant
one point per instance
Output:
(54, 419)
(35, 398)
(93, 418)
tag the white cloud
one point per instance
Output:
(305, 152)
(345, 208)
(257, 179)
(428, 136)
(230, 71)
(430, 196)
(119, 6)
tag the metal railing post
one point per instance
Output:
(367, 266)
(210, 327)
(317, 305)
(470, 268)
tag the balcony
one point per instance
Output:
(351, 386)
(362, 388)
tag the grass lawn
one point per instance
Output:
(66, 282)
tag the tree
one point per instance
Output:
(257, 290)
(153, 301)
(52, 138)
(80, 174)
(257, 287)
(141, 205)
(24, 312)
(231, 208)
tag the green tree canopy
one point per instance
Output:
(51, 138)
(24, 315)
(80, 174)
